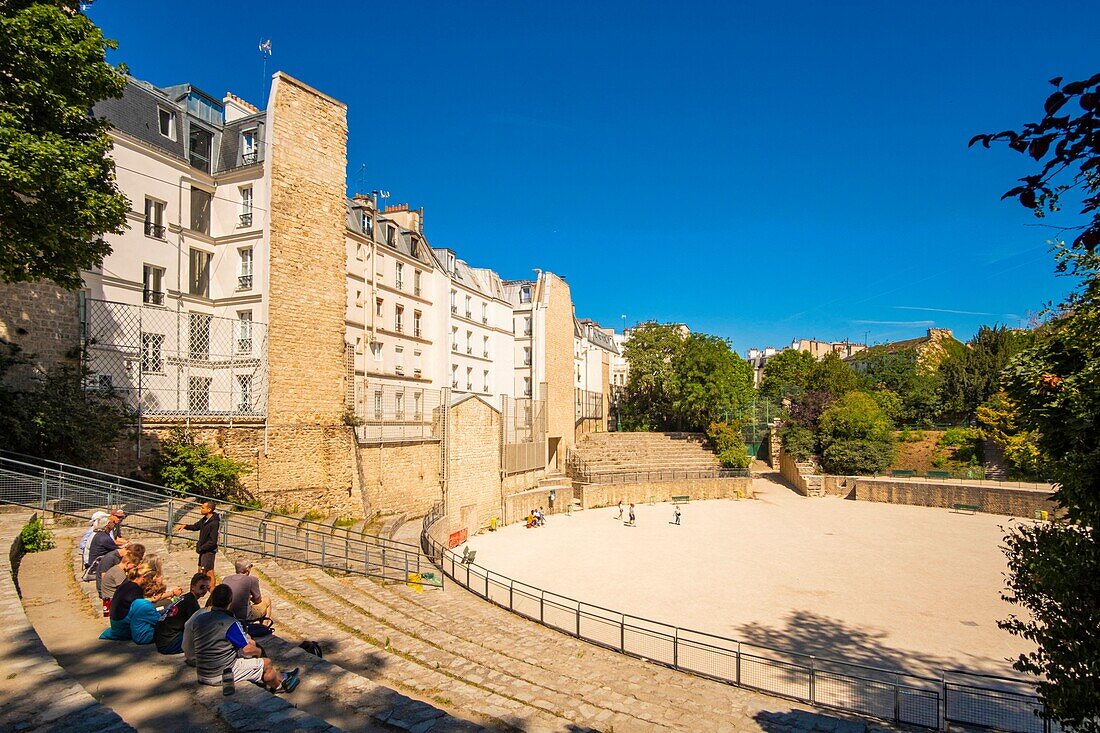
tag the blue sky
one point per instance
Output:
(760, 171)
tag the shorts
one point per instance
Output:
(173, 647)
(244, 670)
(206, 560)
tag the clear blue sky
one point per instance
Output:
(760, 171)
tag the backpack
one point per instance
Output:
(260, 628)
(313, 648)
(91, 571)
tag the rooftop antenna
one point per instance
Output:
(265, 52)
(360, 177)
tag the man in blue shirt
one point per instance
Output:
(216, 642)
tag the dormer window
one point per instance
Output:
(391, 234)
(248, 147)
(525, 294)
(167, 121)
(366, 221)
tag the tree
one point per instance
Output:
(187, 467)
(786, 374)
(711, 382)
(1069, 148)
(900, 373)
(971, 376)
(651, 353)
(57, 186)
(999, 420)
(856, 436)
(832, 375)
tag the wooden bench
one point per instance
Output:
(903, 473)
(939, 474)
(681, 499)
(967, 508)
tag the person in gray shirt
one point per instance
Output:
(214, 642)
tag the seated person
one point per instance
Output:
(157, 593)
(113, 568)
(129, 604)
(215, 642)
(168, 635)
(248, 603)
(96, 523)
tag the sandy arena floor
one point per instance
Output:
(902, 587)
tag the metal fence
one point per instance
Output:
(587, 404)
(173, 363)
(77, 493)
(524, 436)
(891, 695)
(582, 474)
(396, 412)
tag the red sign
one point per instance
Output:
(456, 538)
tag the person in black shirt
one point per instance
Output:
(168, 636)
(207, 545)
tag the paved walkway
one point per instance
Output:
(897, 586)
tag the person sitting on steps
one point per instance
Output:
(168, 635)
(248, 603)
(114, 566)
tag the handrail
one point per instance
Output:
(896, 695)
(145, 489)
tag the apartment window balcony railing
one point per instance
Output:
(467, 314)
(154, 230)
(469, 385)
(485, 354)
(469, 349)
(418, 416)
(527, 393)
(399, 370)
(417, 373)
(246, 219)
(526, 332)
(244, 282)
(153, 297)
(244, 346)
(400, 284)
(416, 291)
(454, 309)
(454, 384)
(485, 319)
(454, 347)
(416, 332)
(527, 361)
(398, 327)
(249, 158)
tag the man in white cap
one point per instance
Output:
(248, 604)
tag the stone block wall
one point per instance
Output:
(993, 499)
(516, 506)
(400, 477)
(473, 493)
(43, 320)
(597, 495)
(560, 405)
(800, 476)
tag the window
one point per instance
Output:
(416, 282)
(152, 352)
(358, 250)
(468, 312)
(366, 221)
(198, 332)
(167, 122)
(454, 338)
(525, 294)
(358, 344)
(198, 394)
(416, 323)
(416, 363)
(454, 302)
(152, 279)
(246, 206)
(469, 377)
(378, 307)
(376, 350)
(398, 318)
(527, 326)
(358, 298)
(199, 281)
(454, 376)
(200, 210)
(526, 386)
(244, 332)
(244, 393)
(417, 409)
(578, 374)
(485, 380)
(399, 406)
(380, 266)
(248, 147)
(485, 346)
(399, 279)
(526, 356)
(391, 234)
(200, 143)
(154, 218)
(378, 404)
(469, 342)
(484, 312)
(398, 359)
(244, 277)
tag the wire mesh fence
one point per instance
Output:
(176, 363)
(397, 412)
(891, 695)
(524, 434)
(587, 404)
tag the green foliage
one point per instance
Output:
(856, 436)
(57, 185)
(970, 376)
(998, 418)
(50, 415)
(961, 447)
(35, 537)
(786, 374)
(905, 435)
(187, 467)
(890, 403)
(832, 376)
(681, 383)
(798, 442)
(728, 442)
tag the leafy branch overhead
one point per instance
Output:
(1069, 147)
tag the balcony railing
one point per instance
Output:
(454, 309)
(153, 297)
(244, 282)
(467, 314)
(416, 332)
(469, 349)
(246, 219)
(454, 347)
(400, 284)
(244, 346)
(153, 229)
(249, 157)
(416, 291)
(485, 319)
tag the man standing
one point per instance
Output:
(221, 650)
(630, 523)
(207, 545)
(168, 636)
(248, 604)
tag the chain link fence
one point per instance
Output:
(391, 413)
(524, 437)
(175, 363)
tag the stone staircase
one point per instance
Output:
(601, 454)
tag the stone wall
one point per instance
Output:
(400, 477)
(43, 320)
(473, 491)
(516, 506)
(560, 405)
(993, 499)
(800, 476)
(596, 495)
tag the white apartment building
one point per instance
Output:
(593, 349)
(175, 316)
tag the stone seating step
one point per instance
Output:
(364, 645)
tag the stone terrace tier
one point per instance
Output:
(609, 453)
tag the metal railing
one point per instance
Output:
(594, 476)
(78, 492)
(892, 695)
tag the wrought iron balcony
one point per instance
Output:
(246, 219)
(249, 157)
(244, 282)
(153, 297)
(244, 346)
(154, 230)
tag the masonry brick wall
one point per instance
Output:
(597, 495)
(517, 506)
(473, 480)
(560, 404)
(400, 477)
(43, 320)
(1016, 502)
